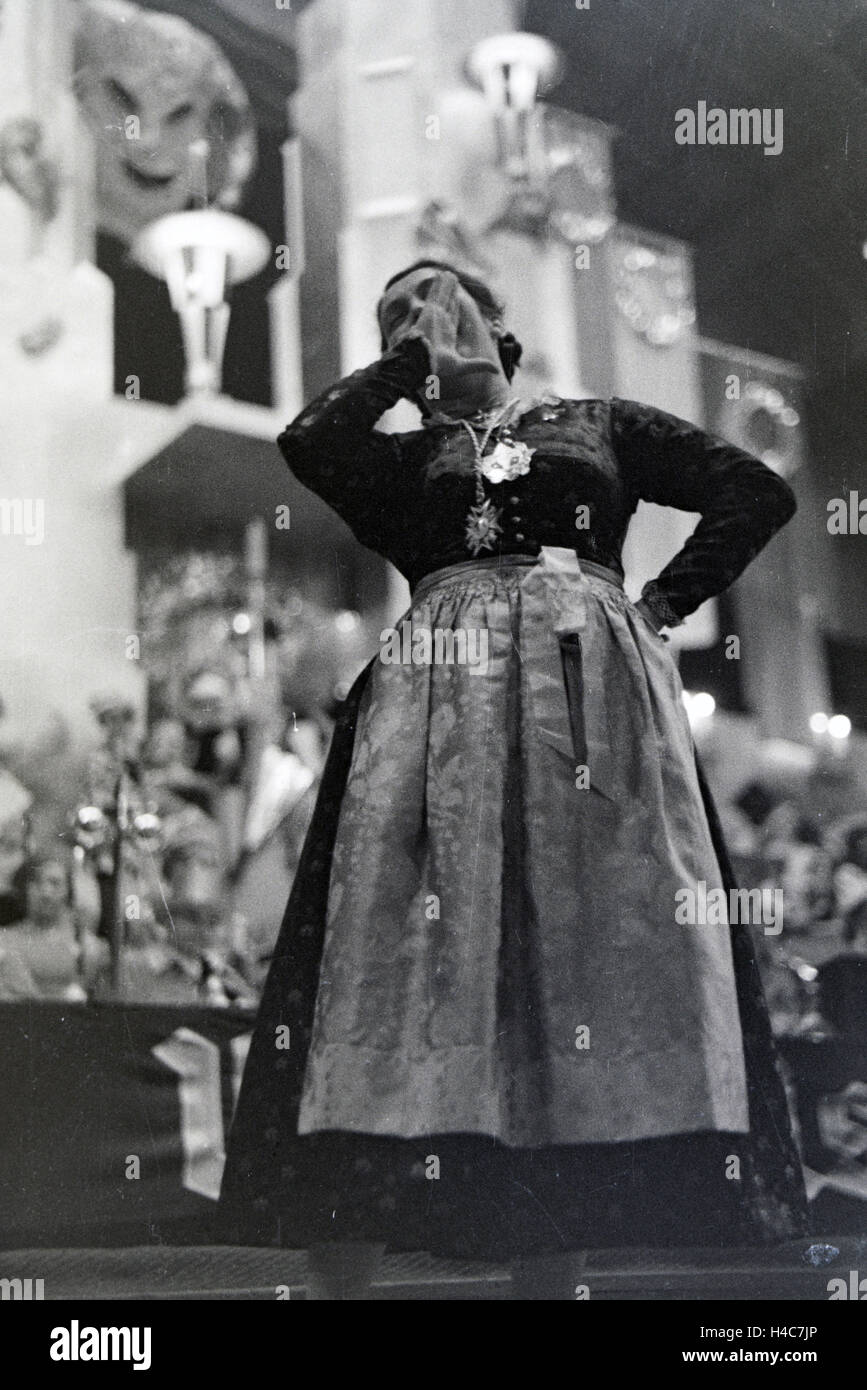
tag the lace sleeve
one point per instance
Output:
(741, 501)
(333, 449)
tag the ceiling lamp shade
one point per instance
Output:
(200, 254)
(513, 71)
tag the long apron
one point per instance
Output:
(502, 954)
(503, 1041)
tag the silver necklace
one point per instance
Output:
(508, 460)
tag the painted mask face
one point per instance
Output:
(150, 87)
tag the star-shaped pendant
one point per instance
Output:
(483, 526)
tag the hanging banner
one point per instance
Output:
(114, 1121)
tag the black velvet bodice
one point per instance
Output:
(407, 496)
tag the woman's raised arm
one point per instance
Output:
(332, 447)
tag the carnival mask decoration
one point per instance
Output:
(152, 87)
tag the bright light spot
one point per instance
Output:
(839, 726)
(819, 722)
(699, 705)
(241, 624)
(346, 620)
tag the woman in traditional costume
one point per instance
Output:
(486, 1032)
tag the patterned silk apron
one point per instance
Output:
(502, 955)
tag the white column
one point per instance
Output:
(68, 586)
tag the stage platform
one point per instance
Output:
(796, 1271)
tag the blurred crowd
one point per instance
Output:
(176, 836)
(180, 842)
(814, 969)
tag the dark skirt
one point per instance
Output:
(469, 1195)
